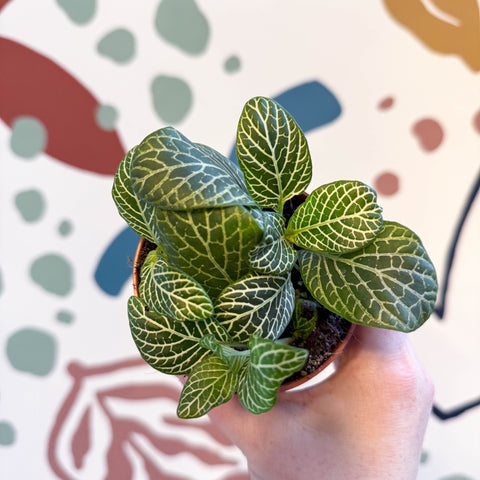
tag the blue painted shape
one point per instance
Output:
(311, 104)
(115, 266)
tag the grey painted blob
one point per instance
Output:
(29, 137)
(32, 351)
(79, 11)
(182, 24)
(53, 273)
(7, 433)
(30, 204)
(118, 45)
(172, 98)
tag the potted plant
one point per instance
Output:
(242, 268)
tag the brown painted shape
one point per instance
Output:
(443, 37)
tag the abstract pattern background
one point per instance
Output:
(388, 93)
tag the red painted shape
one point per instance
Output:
(386, 103)
(429, 134)
(81, 440)
(3, 3)
(33, 85)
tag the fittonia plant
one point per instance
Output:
(217, 295)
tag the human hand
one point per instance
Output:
(366, 421)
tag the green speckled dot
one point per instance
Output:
(232, 64)
(79, 11)
(33, 351)
(30, 204)
(65, 228)
(172, 98)
(53, 273)
(118, 45)
(29, 137)
(64, 316)
(181, 23)
(7, 433)
(107, 117)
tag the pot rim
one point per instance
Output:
(287, 386)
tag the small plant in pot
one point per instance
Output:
(243, 269)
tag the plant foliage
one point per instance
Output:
(217, 295)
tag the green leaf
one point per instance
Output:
(336, 218)
(168, 345)
(232, 357)
(273, 153)
(270, 364)
(390, 283)
(169, 291)
(274, 255)
(225, 164)
(137, 215)
(305, 318)
(256, 305)
(210, 384)
(210, 245)
(170, 172)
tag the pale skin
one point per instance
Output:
(365, 422)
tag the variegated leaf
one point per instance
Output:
(273, 153)
(336, 218)
(170, 172)
(305, 318)
(211, 245)
(138, 216)
(210, 384)
(390, 283)
(270, 364)
(169, 291)
(256, 305)
(274, 255)
(225, 164)
(168, 345)
(232, 357)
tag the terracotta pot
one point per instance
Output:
(137, 265)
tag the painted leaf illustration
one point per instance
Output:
(336, 218)
(170, 172)
(273, 153)
(211, 245)
(256, 305)
(168, 345)
(138, 216)
(39, 88)
(210, 384)
(128, 442)
(391, 283)
(457, 32)
(275, 254)
(169, 291)
(270, 364)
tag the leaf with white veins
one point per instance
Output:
(256, 305)
(270, 364)
(390, 283)
(336, 218)
(170, 172)
(210, 384)
(170, 291)
(273, 153)
(138, 215)
(168, 345)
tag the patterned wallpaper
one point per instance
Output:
(388, 93)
